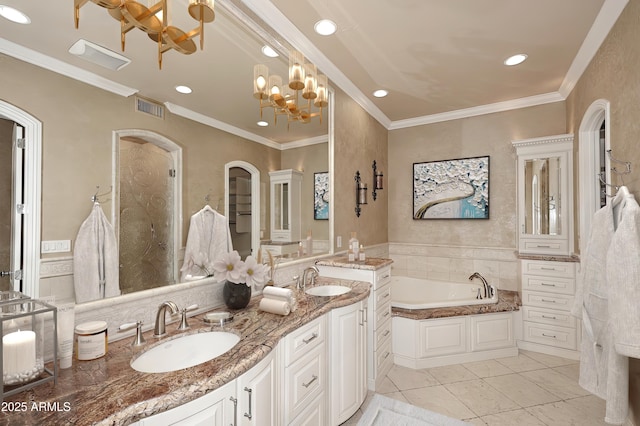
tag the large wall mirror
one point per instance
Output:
(542, 196)
(86, 131)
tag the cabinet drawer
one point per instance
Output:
(383, 356)
(547, 300)
(382, 333)
(548, 316)
(561, 337)
(304, 381)
(383, 314)
(302, 340)
(543, 247)
(382, 295)
(314, 414)
(383, 276)
(549, 269)
(550, 284)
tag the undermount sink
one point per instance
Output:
(185, 351)
(327, 290)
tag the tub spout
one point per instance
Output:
(485, 285)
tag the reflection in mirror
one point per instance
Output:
(542, 196)
(239, 213)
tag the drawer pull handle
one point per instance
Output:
(387, 355)
(548, 317)
(549, 335)
(542, 268)
(386, 333)
(548, 301)
(307, 341)
(313, 379)
(384, 277)
(548, 285)
(249, 414)
(543, 246)
(386, 295)
(235, 410)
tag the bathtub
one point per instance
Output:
(418, 293)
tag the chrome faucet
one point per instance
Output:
(485, 284)
(159, 329)
(313, 270)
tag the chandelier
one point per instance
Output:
(304, 81)
(154, 20)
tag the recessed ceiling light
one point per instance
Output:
(262, 123)
(515, 59)
(268, 51)
(325, 27)
(14, 15)
(380, 93)
(184, 89)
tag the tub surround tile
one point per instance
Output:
(107, 391)
(481, 398)
(507, 301)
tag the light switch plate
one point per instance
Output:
(56, 246)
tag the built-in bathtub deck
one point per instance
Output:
(507, 301)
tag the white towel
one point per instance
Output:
(279, 293)
(95, 259)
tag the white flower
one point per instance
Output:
(256, 272)
(230, 267)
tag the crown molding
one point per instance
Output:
(607, 17)
(568, 138)
(43, 61)
(305, 142)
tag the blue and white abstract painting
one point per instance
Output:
(321, 196)
(451, 189)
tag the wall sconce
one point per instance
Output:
(361, 193)
(377, 180)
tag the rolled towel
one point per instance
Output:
(274, 306)
(279, 293)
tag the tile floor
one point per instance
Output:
(531, 389)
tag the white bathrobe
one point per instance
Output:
(209, 238)
(603, 371)
(95, 259)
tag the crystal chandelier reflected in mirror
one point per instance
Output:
(304, 81)
(154, 20)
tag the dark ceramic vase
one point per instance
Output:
(236, 296)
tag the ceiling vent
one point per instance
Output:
(99, 55)
(149, 107)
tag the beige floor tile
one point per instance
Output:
(549, 360)
(476, 421)
(481, 398)
(584, 411)
(510, 418)
(452, 374)
(387, 386)
(521, 390)
(571, 371)
(520, 363)
(397, 396)
(439, 400)
(406, 378)
(558, 384)
(487, 368)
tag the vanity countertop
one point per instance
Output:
(371, 263)
(107, 391)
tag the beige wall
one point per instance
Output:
(470, 137)
(613, 75)
(359, 139)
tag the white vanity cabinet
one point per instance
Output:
(256, 394)
(286, 192)
(304, 378)
(379, 342)
(548, 289)
(545, 195)
(348, 361)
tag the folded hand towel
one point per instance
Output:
(279, 293)
(274, 306)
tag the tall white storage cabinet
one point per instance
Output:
(378, 273)
(545, 244)
(286, 192)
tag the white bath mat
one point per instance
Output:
(384, 411)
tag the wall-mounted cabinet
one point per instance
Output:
(286, 192)
(545, 195)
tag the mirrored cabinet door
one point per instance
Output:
(545, 194)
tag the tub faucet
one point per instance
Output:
(313, 270)
(159, 329)
(485, 284)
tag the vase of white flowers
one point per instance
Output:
(238, 276)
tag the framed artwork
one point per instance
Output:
(451, 189)
(321, 196)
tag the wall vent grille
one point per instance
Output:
(146, 106)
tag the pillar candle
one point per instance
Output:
(18, 352)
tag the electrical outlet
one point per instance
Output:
(339, 241)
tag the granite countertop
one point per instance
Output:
(370, 263)
(549, 257)
(507, 301)
(107, 391)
